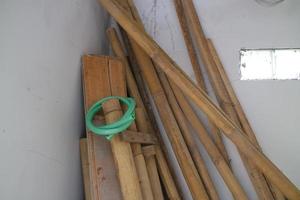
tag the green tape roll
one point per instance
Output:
(109, 130)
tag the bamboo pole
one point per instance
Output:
(255, 175)
(161, 154)
(181, 120)
(155, 183)
(140, 163)
(142, 90)
(215, 132)
(141, 121)
(189, 43)
(123, 155)
(179, 147)
(150, 159)
(163, 164)
(209, 145)
(166, 175)
(172, 70)
(239, 110)
(136, 148)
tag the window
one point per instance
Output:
(272, 64)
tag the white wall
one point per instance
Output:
(41, 121)
(271, 106)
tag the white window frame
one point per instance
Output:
(270, 64)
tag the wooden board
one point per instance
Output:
(85, 168)
(138, 137)
(105, 76)
(103, 175)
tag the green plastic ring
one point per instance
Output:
(119, 126)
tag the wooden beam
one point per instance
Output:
(173, 71)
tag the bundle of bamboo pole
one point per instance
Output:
(156, 82)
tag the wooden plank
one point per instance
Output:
(173, 71)
(85, 168)
(103, 175)
(138, 137)
(99, 73)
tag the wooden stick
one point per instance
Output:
(256, 177)
(136, 148)
(112, 77)
(165, 171)
(172, 70)
(215, 132)
(189, 43)
(239, 110)
(178, 144)
(150, 159)
(141, 118)
(143, 95)
(142, 171)
(139, 159)
(166, 175)
(85, 168)
(164, 162)
(138, 91)
(199, 162)
(215, 154)
(124, 154)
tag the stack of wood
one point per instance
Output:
(134, 164)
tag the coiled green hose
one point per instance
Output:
(119, 126)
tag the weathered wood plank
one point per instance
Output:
(103, 175)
